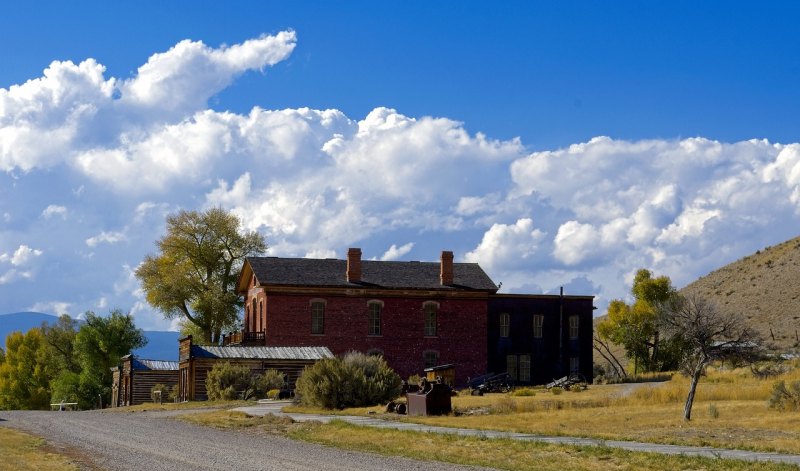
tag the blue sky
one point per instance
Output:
(555, 144)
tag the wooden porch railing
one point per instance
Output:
(244, 338)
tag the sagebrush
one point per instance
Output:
(355, 380)
(228, 382)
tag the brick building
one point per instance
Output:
(415, 314)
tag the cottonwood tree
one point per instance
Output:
(24, 382)
(194, 275)
(99, 345)
(707, 335)
(635, 327)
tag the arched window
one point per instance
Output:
(375, 352)
(252, 326)
(431, 310)
(374, 321)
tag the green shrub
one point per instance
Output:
(228, 382)
(556, 391)
(273, 394)
(355, 380)
(269, 380)
(524, 392)
(785, 397)
(174, 393)
(161, 388)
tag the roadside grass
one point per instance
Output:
(476, 451)
(20, 451)
(153, 406)
(730, 411)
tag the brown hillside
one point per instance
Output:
(764, 288)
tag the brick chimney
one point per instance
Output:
(446, 272)
(354, 265)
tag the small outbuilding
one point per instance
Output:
(134, 379)
(195, 361)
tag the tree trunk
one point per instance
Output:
(687, 409)
(654, 357)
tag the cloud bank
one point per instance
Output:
(91, 165)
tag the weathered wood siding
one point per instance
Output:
(142, 382)
(199, 368)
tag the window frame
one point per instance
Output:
(317, 317)
(524, 368)
(512, 366)
(538, 326)
(574, 327)
(430, 312)
(505, 325)
(374, 318)
(574, 365)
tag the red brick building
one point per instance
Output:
(416, 314)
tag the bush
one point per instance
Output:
(524, 392)
(355, 380)
(785, 397)
(269, 380)
(228, 382)
(161, 388)
(174, 393)
(556, 391)
(273, 394)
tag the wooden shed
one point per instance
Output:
(134, 378)
(195, 361)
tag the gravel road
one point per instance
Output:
(154, 441)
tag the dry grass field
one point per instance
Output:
(20, 451)
(730, 411)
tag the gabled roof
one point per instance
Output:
(261, 353)
(331, 273)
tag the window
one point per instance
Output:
(252, 327)
(525, 368)
(317, 317)
(574, 365)
(538, 322)
(511, 366)
(431, 310)
(375, 308)
(505, 324)
(430, 358)
(574, 323)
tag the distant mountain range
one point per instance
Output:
(160, 345)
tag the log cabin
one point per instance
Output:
(134, 378)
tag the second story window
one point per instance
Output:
(574, 324)
(505, 324)
(431, 313)
(538, 323)
(375, 308)
(317, 317)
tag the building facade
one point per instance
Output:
(416, 314)
(134, 378)
(537, 338)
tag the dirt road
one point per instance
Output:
(154, 441)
